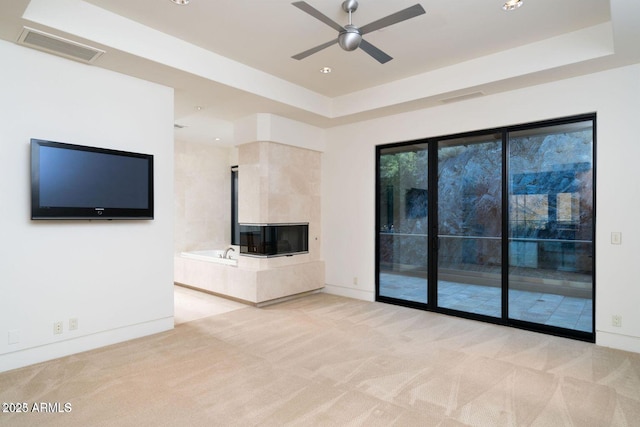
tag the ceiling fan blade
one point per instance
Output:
(313, 50)
(376, 53)
(403, 15)
(306, 7)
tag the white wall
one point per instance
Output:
(349, 183)
(274, 128)
(115, 277)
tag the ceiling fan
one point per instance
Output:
(350, 36)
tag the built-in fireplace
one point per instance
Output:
(271, 240)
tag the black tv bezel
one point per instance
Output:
(95, 212)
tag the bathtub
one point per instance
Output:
(240, 278)
(213, 255)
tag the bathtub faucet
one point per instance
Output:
(226, 252)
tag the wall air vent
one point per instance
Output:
(58, 45)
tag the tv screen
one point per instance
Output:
(77, 182)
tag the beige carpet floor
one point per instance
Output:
(325, 360)
(191, 304)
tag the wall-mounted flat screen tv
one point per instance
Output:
(78, 182)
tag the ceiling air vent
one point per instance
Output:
(58, 46)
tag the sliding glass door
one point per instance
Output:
(403, 222)
(495, 225)
(470, 224)
(551, 226)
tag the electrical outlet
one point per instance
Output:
(57, 328)
(355, 281)
(73, 324)
(616, 320)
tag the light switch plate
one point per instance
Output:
(616, 238)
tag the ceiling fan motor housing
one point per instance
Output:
(350, 38)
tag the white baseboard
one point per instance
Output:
(30, 356)
(349, 292)
(618, 341)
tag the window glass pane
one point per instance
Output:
(470, 225)
(403, 222)
(551, 226)
(235, 228)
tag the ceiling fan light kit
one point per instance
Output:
(350, 36)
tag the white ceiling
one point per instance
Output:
(264, 34)
(233, 57)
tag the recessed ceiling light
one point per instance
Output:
(216, 139)
(181, 2)
(199, 108)
(512, 4)
(325, 70)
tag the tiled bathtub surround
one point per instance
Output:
(248, 282)
(202, 196)
(277, 184)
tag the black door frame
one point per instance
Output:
(432, 304)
